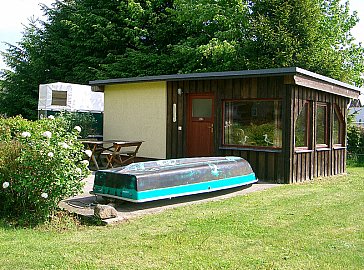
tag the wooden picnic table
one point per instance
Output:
(121, 152)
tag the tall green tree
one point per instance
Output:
(19, 85)
(81, 35)
(83, 40)
(312, 34)
(155, 31)
(215, 35)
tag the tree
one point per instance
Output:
(314, 35)
(71, 45)
(215, 35)
(83, 40)
(19, 86)
(81, 35)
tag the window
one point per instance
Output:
(59, 98)
(338, 127)
(253, 123)
(302, 128)
(321, 125)
(202, 107)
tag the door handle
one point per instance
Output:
(212, 128)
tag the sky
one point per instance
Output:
(14, 14)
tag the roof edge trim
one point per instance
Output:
(226, 74)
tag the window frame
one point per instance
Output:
(326, 131)
(338, 112)
(56, 101)
(240, 146)
(308, 135)
(196, 118)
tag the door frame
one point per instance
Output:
(189, 118)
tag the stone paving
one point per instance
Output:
(84, 203)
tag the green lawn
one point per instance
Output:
(317, 225)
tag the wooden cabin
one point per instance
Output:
(289, 123)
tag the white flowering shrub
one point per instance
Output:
(41, 163)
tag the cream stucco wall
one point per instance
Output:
(137, 111)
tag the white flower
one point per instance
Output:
(64, 145)
(88, 153)
(85, 162)
(25, 134)
(6, 184)
(50, 154)
(78, 128)
(51, 117)
(44, 195)
(78, 170)
(47, 134)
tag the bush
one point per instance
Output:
(41, 163)
(355, 145)
(87, 121)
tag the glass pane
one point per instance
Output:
(59, 98)
(202, 107)
(253, 123)
(301, 128)
(321, 125)
(336, 129)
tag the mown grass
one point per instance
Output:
(316, 225)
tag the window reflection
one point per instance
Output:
(301, 127)
(253, 123)
(337, 129)
(201, 107)
(321, 124)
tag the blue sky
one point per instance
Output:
(15, 13)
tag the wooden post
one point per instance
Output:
(287, 136)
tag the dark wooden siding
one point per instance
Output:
(267, 165)
(282, 166)
(316, 162)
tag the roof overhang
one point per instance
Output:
(293, 75)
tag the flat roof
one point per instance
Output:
(226, 75)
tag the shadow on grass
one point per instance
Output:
(83, 205)
(59, 221)
(77, 213)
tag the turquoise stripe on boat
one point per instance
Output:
(194, 188)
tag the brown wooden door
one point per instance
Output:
(200, 125)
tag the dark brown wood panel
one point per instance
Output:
(324, 87)
(253, 89)
(288, 133)
(270, 169)
(236, 89)
(285, 166)
(261, 164)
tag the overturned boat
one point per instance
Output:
(161, 179)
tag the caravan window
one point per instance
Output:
(59, 98)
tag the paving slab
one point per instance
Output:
(84, 203)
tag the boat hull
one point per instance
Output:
(155, 180)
